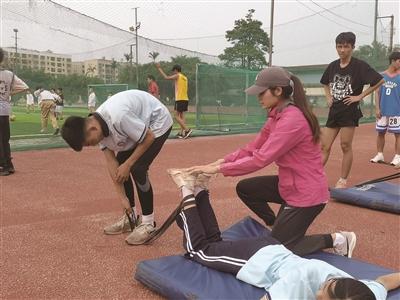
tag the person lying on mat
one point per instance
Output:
(263, 261)
(290, 138)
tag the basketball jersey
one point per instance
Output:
(390, 95)
(181, 88)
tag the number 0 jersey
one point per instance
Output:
(390, 95)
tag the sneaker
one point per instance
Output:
(140, 234)
(181, 178)
(179, 135)
(121, 226)
(11, 168)
(187, 133)
(4, 171)
(347, 248)
(43, 131)
(396, 160)
(56, 131)
(341, 184)
(202, 180)
(377, 158)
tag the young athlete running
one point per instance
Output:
(131, 127)
(387, 107)
(262, 261)
(290, 138)
(343, 81)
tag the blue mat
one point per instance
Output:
(176, 277)
(381, 196)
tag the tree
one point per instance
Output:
(250, 44)
(153, 55)
(375, 54)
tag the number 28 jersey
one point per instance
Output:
(390, 95)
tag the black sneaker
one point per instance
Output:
(57, 131)
(187, 133)
(4, 171)
(11, 168)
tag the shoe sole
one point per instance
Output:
(351, 245)
(116, 233)
(188, 134)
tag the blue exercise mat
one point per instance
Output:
(381, 196)
(176, 277)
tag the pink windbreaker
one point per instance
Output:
(285, 139)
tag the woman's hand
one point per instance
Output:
(208, 169)
(122, 173)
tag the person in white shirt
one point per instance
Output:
(47, 104)
(262, 261)
(92, 100)
(10, 85)
(131, 127)
(30, 102)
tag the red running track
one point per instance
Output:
(54, 208)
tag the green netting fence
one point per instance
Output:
(104, 91)
(222, 105)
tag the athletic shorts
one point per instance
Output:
(181, 105)
(341, 115)
(389, 124)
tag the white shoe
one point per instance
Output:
(202, 180)
(140, 234)
(181, 178)
(341, 184)
(346, 248)
(396, 160)
(121, 226)
(377, 158)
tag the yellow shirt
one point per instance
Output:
(181, 88)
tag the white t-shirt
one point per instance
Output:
(285, 275)
(9, 83)
(29, 99)
(92, 99)
(128, 115)
(44, 95)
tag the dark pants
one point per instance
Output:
(140, 175)
(291, 223)
(5, 152)
(203, 243)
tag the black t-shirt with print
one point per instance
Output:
(350, 80)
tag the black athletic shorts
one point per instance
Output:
(341, 115)
(181, 105)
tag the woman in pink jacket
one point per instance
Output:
(290, 138)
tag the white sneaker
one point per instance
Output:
(346, 248)
(181, 178)
(121, 226)
(396, 160)
(377, 158)
(202, 180)
(341, 184)
(140, 234)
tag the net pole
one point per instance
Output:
(197, 105)
(246, 99)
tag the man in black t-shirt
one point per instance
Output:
(343, 81)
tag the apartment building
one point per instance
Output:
(47, 61)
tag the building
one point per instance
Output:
(47, 61)
(105, 69)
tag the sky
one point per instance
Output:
(304, 30)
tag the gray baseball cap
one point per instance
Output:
(269, 77)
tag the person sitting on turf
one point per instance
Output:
(263, 262)
(131, 127)
(289, 138)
